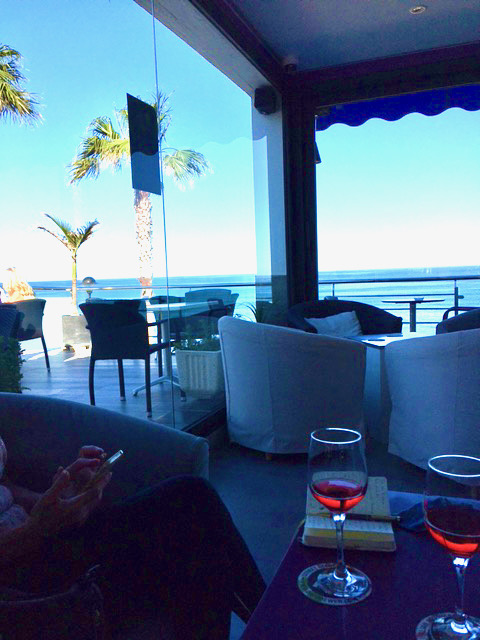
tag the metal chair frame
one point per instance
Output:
(119, 332)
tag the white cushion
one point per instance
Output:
(340, 325)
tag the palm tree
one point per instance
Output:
(108, 145)
(72, 239)
(15, 102)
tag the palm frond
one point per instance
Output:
(161, 104)
(162, 108)
(83, 167)
(84, 233)
(102, 146)
(65, 227)
(122, 121)
(8, 52)
(72, 238)
(15, 102)
(55, 235)
(183, 165)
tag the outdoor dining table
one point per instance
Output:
(166, 311)
(408, 584)
(412, 303)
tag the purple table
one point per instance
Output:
(409, 584)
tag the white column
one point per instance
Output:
(268, 178)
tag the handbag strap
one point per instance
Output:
(74, 614)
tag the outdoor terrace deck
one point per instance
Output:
(68, 379)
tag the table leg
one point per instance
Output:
(166, 356)
(413, 316)
(377, 404)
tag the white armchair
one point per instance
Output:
(434, 386)
(281, 384)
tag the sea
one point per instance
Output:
(376, 287)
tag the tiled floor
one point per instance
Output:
(68, 379)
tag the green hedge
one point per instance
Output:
(10, 366)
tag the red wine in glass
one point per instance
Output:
(456, 527)
(452, 517)
(337, 477)
(338, 495)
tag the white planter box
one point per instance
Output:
(200, 373)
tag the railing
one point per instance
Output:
(454, 279)
(138, 287)
(453, 295)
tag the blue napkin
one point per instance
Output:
(411, 519)
(409, 506)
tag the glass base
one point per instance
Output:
(441, 626)
(321, 583)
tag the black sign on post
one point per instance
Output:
(144, 156)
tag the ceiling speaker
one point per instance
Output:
(265, 100)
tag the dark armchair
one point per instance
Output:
(206, 322)
(372, 319)
(31, 322)
(120, 332)
(468, 319)
(195, 323)
(177, 322)
(9, 321)
(202, 295)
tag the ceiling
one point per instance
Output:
(335, 50)
(314, 34)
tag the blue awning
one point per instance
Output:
(429, 103)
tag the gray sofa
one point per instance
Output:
(43, 433)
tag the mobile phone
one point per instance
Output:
(104, 468)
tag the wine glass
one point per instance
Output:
(337, 478)
(451, 508)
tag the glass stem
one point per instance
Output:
(460, 565)
(341, 569)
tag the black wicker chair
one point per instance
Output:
(372, 319)
(221, 302)
(205, 323)
(177, 323)
(203, 295)
(120, 332)
(31, 322)
(9, 322)
(468, 319)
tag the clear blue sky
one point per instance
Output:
(389, 194)
(81, 58)
(400, 194)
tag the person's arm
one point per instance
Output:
(62, 506)
(22, 496)
(92, 456)
(17, 542)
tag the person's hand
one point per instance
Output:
(57, 509)
(84, 468)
